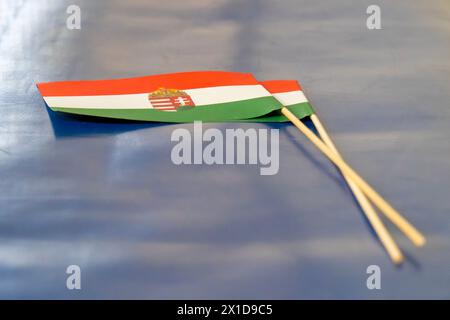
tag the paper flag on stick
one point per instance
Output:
(211, 96)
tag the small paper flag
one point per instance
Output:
(210, 96)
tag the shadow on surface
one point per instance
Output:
(71, 125)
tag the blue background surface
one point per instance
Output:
(106, 196)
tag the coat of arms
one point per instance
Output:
(170, 100)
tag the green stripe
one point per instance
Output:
(221, 112)
(301, 110)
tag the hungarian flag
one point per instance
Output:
(210, 96)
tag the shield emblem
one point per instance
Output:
(170, 100)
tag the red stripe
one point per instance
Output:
(278, 86)
(180, 81)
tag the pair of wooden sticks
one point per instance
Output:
(362, 190)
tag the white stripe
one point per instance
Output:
(224, 94)
(119, 101)
(290, 98)
(202, 96)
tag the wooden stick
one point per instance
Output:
(412, 233)
(383, 234)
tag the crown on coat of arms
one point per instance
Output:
(164, 92)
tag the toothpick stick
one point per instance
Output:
(409, 230)
(383, 234)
